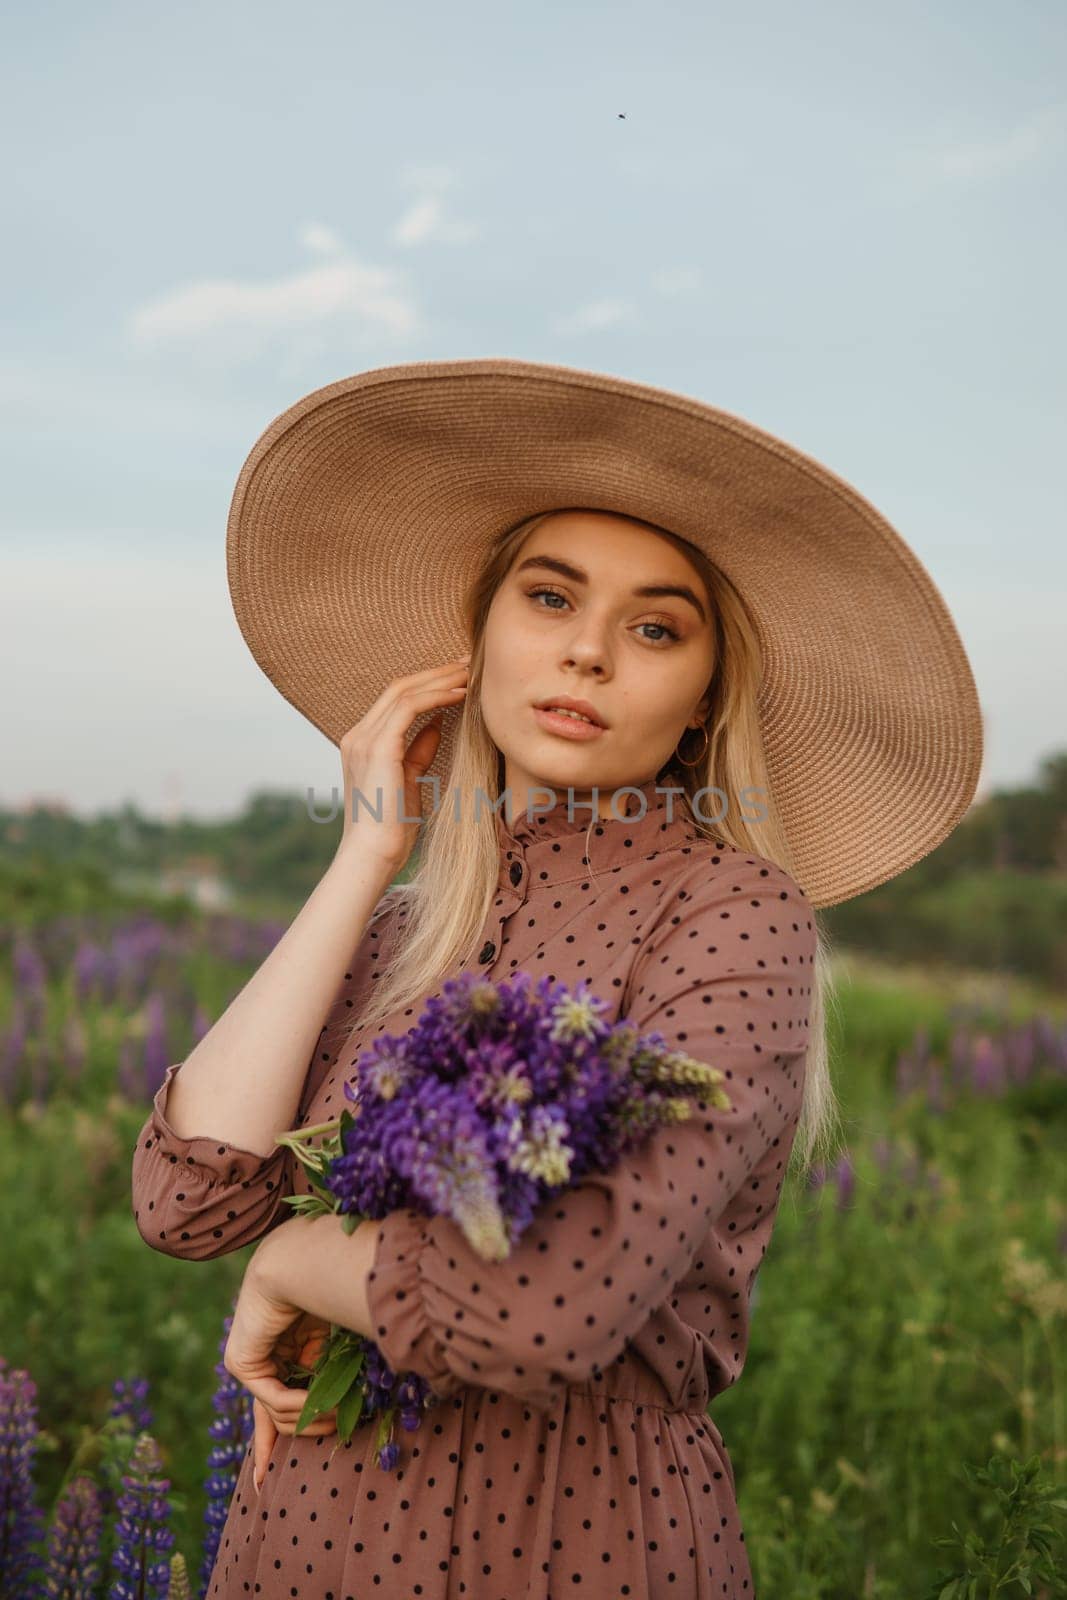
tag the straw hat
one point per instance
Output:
(363, 511)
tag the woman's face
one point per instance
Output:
(643, 662)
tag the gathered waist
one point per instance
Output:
(636, 1385)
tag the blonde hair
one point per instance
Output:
(448, 895)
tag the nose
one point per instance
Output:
(588, 654)
(578, 664)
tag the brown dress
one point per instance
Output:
(570, 1452)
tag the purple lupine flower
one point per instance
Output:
(935, 1092)
(107, 977)
(75, 1048)
(499, 1097)
(882, 1152)
(844, 1178)
(128, 1074)
(42, 1081)
(14, 1050)
(72, 1558)
(137, 947)
(238, 940)
(988, 1064)
(1023, 1052)
(910, 1169)
(1052, 1042)
(128, 1400)
(483, 1128)
(90, 970)
(142, 1529)
(231, 1430)
(21, 1520)
(959, 1058)
(29, 970)
(201, 1024)
(156, 1050)
(988, 1076)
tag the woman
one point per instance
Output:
(646, 850)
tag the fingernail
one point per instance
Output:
(258, 1485)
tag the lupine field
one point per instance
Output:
(900, 1429)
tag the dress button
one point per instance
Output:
(488, 951)
(516, 872)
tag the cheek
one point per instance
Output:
(653, 703)
(514, 651)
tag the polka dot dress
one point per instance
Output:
(570, 1452)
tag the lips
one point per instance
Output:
(567, 703)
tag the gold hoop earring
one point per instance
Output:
(697, 759)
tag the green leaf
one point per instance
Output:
(334, 1379)
(342, 1368)
(349, 1411)
(308, 1205)
(385, 1425)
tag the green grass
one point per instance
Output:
(918, 1327)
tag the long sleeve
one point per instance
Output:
(725, 972)
(200, 1197)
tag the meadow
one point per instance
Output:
(899, 1432)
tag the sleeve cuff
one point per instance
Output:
(207, 1159)
(400, 1326)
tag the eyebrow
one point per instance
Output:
(680, 591)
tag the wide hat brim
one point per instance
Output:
(363, 511)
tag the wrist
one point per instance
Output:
(354, 854)
(311, 1263)
(270, 1257)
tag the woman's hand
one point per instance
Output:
(267, 1336)
(377, 760)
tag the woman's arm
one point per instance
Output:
(312, 1263)
(195, 1196)
(241, 1083)
(207, 1173)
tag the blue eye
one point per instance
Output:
(665, 627)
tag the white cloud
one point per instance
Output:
(992, 157)
(595, 316)
(425, 220)
(243, 313)
(315, 236)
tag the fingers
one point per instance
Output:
(401, 703)
(269, 1426)
(285, 1415)
(309, 1352)
(262, 1442)
(413, 691)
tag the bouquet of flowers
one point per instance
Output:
(499, 1097)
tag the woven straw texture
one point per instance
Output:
(364, 510)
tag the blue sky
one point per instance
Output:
(844, 223)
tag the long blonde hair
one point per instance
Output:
(448, 894)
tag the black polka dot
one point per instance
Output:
(541, 1396)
